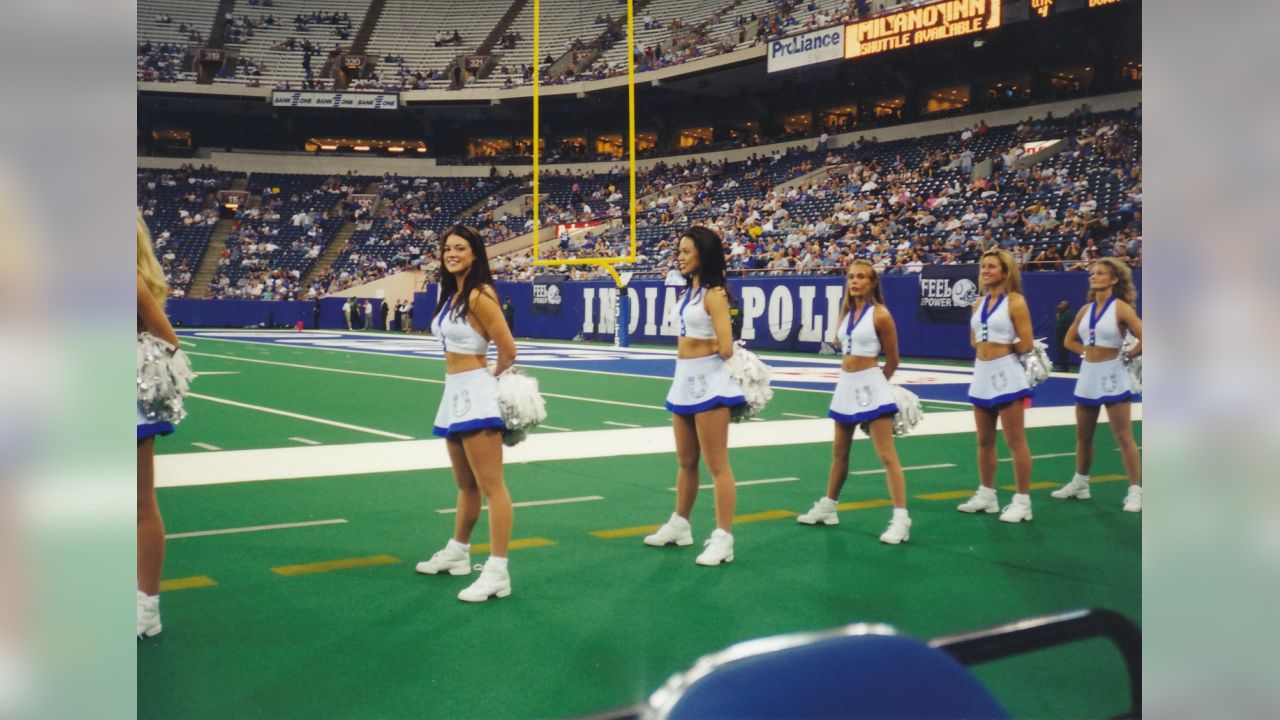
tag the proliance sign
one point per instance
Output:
(340, 101)
(920, 25)
(807, 49)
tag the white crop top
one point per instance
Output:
(1103, 329)
(991, 322)
(857, 335)
(695, 322)
(456, 333)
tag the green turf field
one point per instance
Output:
(272, 623)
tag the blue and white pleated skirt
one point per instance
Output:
(861, 397)
(1103, 383)
(702, 384)
(999, 381)
(470, 402)
(150, 428)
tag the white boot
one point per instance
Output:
(1078, 488)
(494, 580)
(1018, 510)
(148, 615)
(454, 559)
(984, 500)
(675, 530)
(719, 548)
(823, 511)
(1133, 501)
(899, 530)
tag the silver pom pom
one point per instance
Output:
(1134, 364)
(520, 404)
(164, 376)
(753, 376)
(1036, 363)
(909, 413)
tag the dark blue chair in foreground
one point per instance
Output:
(870, 671)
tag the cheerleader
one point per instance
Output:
(152, 291)
(466, 320)
(1097, 333)
(701, 396)
(863, 395)
(999, 327)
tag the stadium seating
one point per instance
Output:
(263, 43)
(902, 204)
(281, 250)
(170, 200)
(403, 44)
(407, 29)
(162, 46)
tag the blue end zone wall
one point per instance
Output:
(782, 313)
(185, 312)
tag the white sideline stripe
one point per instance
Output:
(216, 372)
(944, 402)
(231, 466)
(552, 427)
(206, 446)
(297, 416)
(1043, 457)
(621, 424)
(255, 528)
(766, 481)
(879, 471)
(534, 503)
(305, 441)
(798, 415)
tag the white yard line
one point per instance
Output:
(431, 381)
(1044, 457)
(534, 503)
(880, 471)
(766, 481)
(299, 416)
(255, 528)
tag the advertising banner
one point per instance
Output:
(947, 292)
(807, 49)
(334, 100)
(548, 295)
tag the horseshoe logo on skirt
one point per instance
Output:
(461, 403)
(698, 385)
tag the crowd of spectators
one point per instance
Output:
(902, 205)
(180, 206)
(903, 213)
(161, 62)
(273, 245)
(689, 40)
